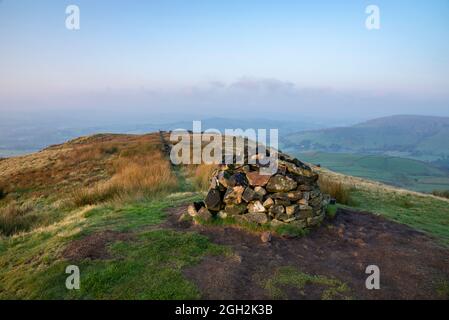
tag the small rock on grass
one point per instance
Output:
(259, 218)
(192, 211)
(265, 236)
(204, 214)
(185, 217)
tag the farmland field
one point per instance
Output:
(406, 173)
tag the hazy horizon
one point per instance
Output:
(285, 60)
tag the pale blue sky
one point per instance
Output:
(288, 56)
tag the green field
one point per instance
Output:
(406, 173)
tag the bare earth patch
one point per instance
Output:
(412, 265)
(93, 246)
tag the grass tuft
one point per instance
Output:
(331, 211)
(2, 191)
(336, 190)
(15, 218)
(285, 277)
(291, 230)
(143, 176)
(201, 175)
(441, 193)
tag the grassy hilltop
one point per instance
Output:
(101, 202)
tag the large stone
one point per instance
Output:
(300, 171)
(279, 183)
(306, 207)
(316, 202)
(213, 200)
(244, 169)
(280, 195)
(256, 217)
(233, 195)
(223, 178)
(268, 203)
(261, 192)
(238, 179)
(204, 214)
(256, 207)
(292, 210)
(305, 187)
(304, 212)
(282, 202)
(292, 195)
(235, 209)
(214, 184)
(249, 195)
(256, 179)
(285, 217)
(277, 209)
(241, 218)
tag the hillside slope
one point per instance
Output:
(400, 172)
(421, 137)
(110, 204)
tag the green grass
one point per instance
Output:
(419, 212)
(406, 173)
(289, 230)
(16, 217)
(443, 289)
(146, 267)
(289, 277)
(331, 211)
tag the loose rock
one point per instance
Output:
(213, 200)
(204, 214)
(265, 236)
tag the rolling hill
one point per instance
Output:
(418, 137)
(110, 204)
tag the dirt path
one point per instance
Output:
(412, 265)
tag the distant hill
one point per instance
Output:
(418, 137)
(18, 137)
(400, 172)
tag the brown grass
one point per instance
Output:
(201, 176)
(137, 176)
(335, 189)
(2, 191)
(15, 218)
(441, 193)
(79, 163)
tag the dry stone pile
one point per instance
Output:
(290, 195)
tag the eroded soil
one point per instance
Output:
(93, 246)
(412, 265)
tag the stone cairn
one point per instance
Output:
(289, 196)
